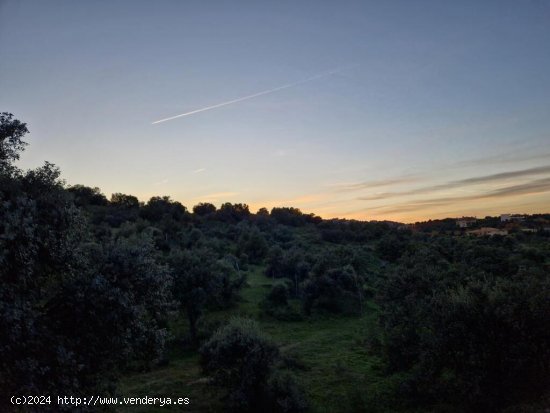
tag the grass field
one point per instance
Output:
(334, 367)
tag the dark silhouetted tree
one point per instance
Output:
(84, 196)
(72, 313)
(12, 132)
(200, 280)
(204, 209)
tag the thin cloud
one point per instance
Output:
(529, 188)
(506, 175)
(305, 199)
(533, 187)
(356, 186)
(163, 182)
(216, 196)
(198, 171)
(460, 183)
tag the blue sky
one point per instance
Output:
(436, 108)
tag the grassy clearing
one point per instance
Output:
(181, 378)
(331, 349)
(335, 368)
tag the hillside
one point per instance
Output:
(275, 311)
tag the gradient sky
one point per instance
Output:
(436, 108)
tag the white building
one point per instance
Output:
(511, 217)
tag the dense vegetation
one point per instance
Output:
(275, 311)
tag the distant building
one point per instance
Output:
(465, 222)
(511, 217)
(487, 231)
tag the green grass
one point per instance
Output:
(336, 370)
(181, 378)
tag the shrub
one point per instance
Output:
(276, 304)
(242, 359)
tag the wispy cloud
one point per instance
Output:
(162, 182)
(198, 171)
(306, 199)
(537, 186)
(505, 175)
(356, 186)
(216, 196)
(461, 183)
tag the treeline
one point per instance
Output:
(534, 222)
(90, 288)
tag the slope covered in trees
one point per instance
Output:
(275, 311)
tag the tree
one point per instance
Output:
(113, 316)
(204, 209)
(288, 216)
(276, 304)
(158, 208)
(70, 317)
(73, 313)
(11, 143)
(201, 280)
(124, 201)
(275, 265)
(232, 213)
(40, 250)
(291, 264)
(336, 290)
(253, 244)
(263, 212)
(84, 196)
(122, 208)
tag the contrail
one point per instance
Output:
(265, 92)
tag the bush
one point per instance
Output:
(285, 393)
(338, 290)
(242, 359)
(276, 304)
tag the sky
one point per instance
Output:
(371, 110)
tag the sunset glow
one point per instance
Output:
(432, 112)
